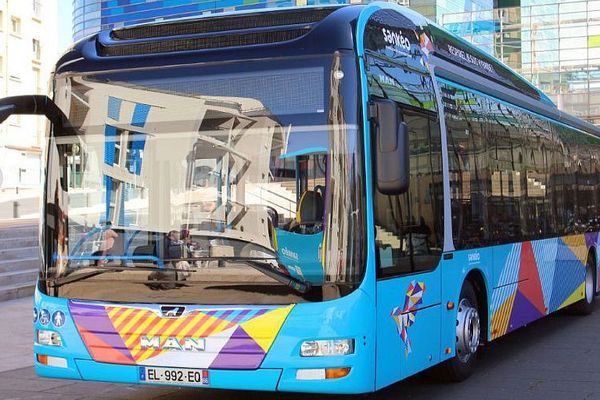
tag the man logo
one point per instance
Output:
(172, 311)
(172, 343)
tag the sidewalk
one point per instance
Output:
(27, 206)
(17, 332)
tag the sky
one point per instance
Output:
(65, 24)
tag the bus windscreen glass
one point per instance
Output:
(236, 183)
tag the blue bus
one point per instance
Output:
(319, 199)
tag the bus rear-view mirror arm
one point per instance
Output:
(392, 162)
(31, 105)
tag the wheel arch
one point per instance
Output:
(477, 278)
(594, 253)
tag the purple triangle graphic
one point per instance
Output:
(240, 352)
(523, 312)
(591, 239)
(93, 318)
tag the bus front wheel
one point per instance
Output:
(586, 306)
(468, 337)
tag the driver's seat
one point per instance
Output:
(310, 210)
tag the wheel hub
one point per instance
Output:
(589, 285)
(468, 329)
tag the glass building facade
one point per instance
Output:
(436, 9)
(554, 44)
(90, 16)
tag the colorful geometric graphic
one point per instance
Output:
(537, 279)
(220, 338)
(405, 317)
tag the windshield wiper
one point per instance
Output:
(260, 264)
(294, 283)
(99, 270)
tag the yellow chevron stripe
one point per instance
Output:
(501, 317)
(507, 312)
(167, 332)
(171, 328)
(140, 330)
(202, 329)
(137, 349)
(138, 315)
(197, 318)
(112, 311)
(119, 321)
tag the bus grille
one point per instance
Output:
(202, 43)
(220, 24)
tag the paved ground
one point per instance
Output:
(555, 358)
(28, 204)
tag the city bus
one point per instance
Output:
(319, 199)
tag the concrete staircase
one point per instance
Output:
(387, 238)
(19, 260)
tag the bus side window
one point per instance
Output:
(409, 226)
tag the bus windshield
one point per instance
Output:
(229, 183)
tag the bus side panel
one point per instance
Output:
(536, 278)
(350, 317)
(408, 325)
(455, 271)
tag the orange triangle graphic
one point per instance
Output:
(530, 284)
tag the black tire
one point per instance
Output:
(461, 366)
(586, 306)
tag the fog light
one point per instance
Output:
(52, 361)
(48, 338)
(318, 348)
(310, 374)
(321, 373)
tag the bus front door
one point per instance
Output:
(409, 246)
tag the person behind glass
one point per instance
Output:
(177, 252)
(174, 246)
(189, 245)
(420, 237)
(107, 243)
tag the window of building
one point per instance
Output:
(15, 25)
(37, 9)
(37, 49)
(37, 76)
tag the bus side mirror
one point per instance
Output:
(32, 105)
(392, 161)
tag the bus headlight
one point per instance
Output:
(48, 338)
(318, 348)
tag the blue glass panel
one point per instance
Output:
(140, 114)
(114, 108)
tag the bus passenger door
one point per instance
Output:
(409, 246)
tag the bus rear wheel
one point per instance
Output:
(468, 337)
(586, 306)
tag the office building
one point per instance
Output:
(28, 39)
(555, 44)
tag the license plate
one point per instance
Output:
(174, 376)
